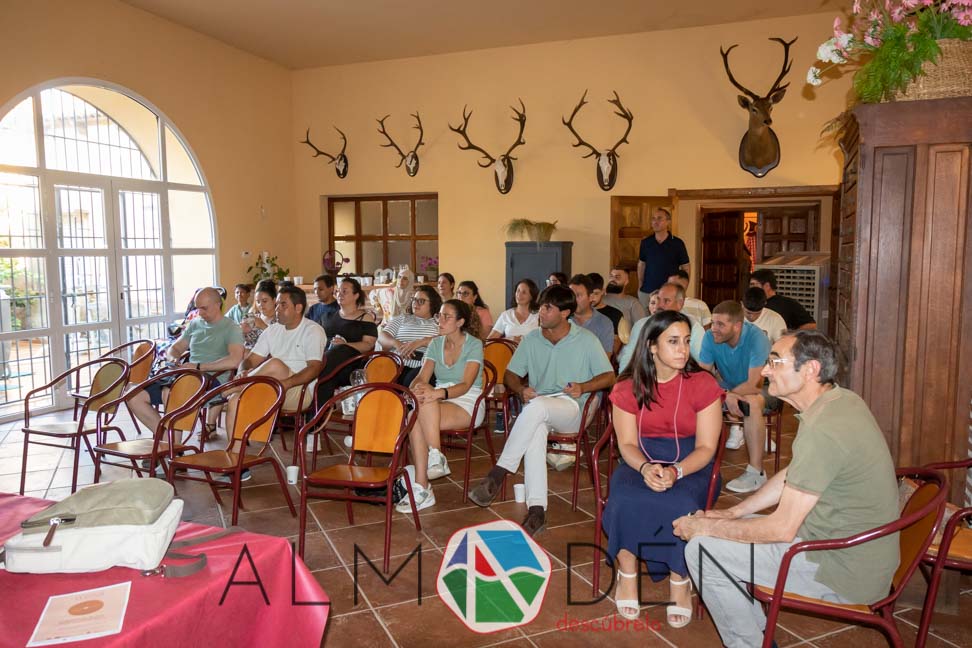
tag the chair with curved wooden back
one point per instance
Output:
(258, 405)
(592, 408)
(499, 352)
(951, 549)
(107, 384)
(139, 354)
(382, 421)
(915, 528)
(449, 438)
(601, 494)
(185, 385)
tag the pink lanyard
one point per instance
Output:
(678, 450)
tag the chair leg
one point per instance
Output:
(283, 486)
(465, 477)
(347, 491)
(388, 523)
(74, 472)
(236, 496)
(301, 538)
(931, 594)
(573, 496)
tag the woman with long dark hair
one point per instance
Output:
(351, 331)
(482, 322)
(521, 318)
(667, 417)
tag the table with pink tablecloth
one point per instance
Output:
(172, 612)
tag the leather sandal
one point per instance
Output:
(627, 604)
(678, 610)
(485, 492)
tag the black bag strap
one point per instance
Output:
(198, 560)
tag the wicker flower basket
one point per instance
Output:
(951, 77)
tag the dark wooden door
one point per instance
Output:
(631, 222)
(721, 252)
(786, 229)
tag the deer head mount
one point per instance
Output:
(340, 161)
(607, 160)
(410, 159)
(502, 167)
(759, 149)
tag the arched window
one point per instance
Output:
(106, 229)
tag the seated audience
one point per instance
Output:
(670, 297)
(792, 311)
(408, 335)
(738, 350)
(652, 303)
(841, 482)
(521, 317)
(693, 307)
(597, 301)
(667, 417)
(585, 315)
(351, 331)
(614, 295)
(446, 285)
(469, 293)
(242, 293)
(455, 358)
(397, 300)
(324, 286)
(557, 279)
(564, 363)
(754, 308)
(262, 314)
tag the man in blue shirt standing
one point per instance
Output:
(738, 350)
(660, 255)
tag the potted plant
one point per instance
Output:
(266, 267)
(532, 230)
(918, 47)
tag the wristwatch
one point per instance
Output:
(678, 470)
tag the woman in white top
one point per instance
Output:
(408, 335)
(522, 317)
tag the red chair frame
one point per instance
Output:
(467, 433)
(345, 487)
(580, 440)
(135, 366)
(881, 613)
(503, 401)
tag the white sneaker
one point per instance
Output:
(736, 438)
(438, 464)
(558, 461)
(772, 446)
(748, 481)
(424, 498)
(348, 441)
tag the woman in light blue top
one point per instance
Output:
(456, 360)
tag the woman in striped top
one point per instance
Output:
(408, 335)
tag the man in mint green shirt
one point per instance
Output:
(841, 482)
(565, 364)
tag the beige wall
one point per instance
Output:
(686, 132)
(234, 109)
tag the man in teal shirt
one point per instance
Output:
(565, 364)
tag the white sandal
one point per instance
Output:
(628, 604)
(677, 610)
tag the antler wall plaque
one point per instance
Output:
(759, 149)
(340, 161)
(410, 159)
(502, 167)
(607, 160)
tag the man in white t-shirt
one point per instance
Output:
(754, 308)
(292, 351)
(695, 308)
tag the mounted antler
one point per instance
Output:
(759, 150)
(340, 160)
(503, 167)
(519, 116)
(410, 159)
(469, 145)
(607, 162)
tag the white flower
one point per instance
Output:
(825, 51)
(813, 76)
(830, 51)
(844, 41)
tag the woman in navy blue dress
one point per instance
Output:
(667, 417)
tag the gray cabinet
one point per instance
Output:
(531, 260)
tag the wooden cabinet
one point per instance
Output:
(528, 260)
(903, 273)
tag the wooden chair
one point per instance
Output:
(379, 367)
(259, 401)
(499, 352)
(186, 385)
(381, 425)
(916, 528)
(954, 552)
(298, 401)
(139, 354)
(108, 382)
(601, 495)
(593, 409)
(451, 438)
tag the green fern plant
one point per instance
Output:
(266, 267)
(532, 230)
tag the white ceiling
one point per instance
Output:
(302, 34)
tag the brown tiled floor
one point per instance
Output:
(389, 615)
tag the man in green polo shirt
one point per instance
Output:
(565, 364)
(840, 482)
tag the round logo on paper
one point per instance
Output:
(86, 607)
(493, 576)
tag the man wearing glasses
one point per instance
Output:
(840, 482)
